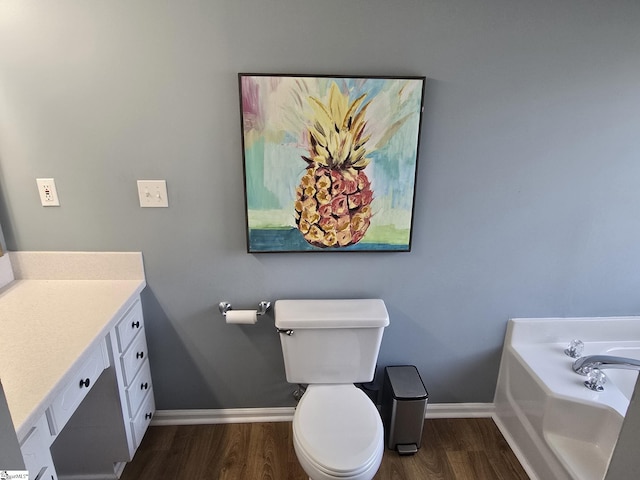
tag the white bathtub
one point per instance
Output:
(559, 428)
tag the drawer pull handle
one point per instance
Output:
(85, 383)
(147, 416)
(135, 324)
(140, 355)
(144, 386)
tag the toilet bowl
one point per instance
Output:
(338, 433)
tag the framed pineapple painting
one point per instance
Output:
(330, 162)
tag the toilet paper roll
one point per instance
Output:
(242, 316)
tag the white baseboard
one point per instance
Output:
(460, 410)
(223, 415)
(118, 468)
(285, 414)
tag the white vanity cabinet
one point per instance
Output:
(74, 363)
(129, 346)
(106, 429)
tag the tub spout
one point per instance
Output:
(584, 364)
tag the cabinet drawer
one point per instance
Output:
(129, 326)
(140, 386)
(142, 419)
(36, 454)
(134, 357)
(83, 379)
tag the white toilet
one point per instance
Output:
(330, 345)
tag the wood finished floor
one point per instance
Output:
(452, 449)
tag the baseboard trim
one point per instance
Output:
(222, 415)
(285, 414)
(460, 410)
(118, 468)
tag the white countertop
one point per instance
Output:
(47, 324)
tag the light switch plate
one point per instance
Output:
(153, 193)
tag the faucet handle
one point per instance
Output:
(595, 379)
(575, 348)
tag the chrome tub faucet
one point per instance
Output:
(584, 364)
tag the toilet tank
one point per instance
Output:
(331, 341)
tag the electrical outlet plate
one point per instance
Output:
(48, 192)
(153, 193)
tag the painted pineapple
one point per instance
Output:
(333, 200)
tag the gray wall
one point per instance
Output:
(527, 194)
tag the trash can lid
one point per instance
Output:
(406, 383)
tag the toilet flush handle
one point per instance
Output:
(286, 331)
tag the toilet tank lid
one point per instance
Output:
(352, 313)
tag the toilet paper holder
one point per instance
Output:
(263, 306)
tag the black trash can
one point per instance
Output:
(404, 403)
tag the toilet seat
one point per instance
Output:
(338, 433)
